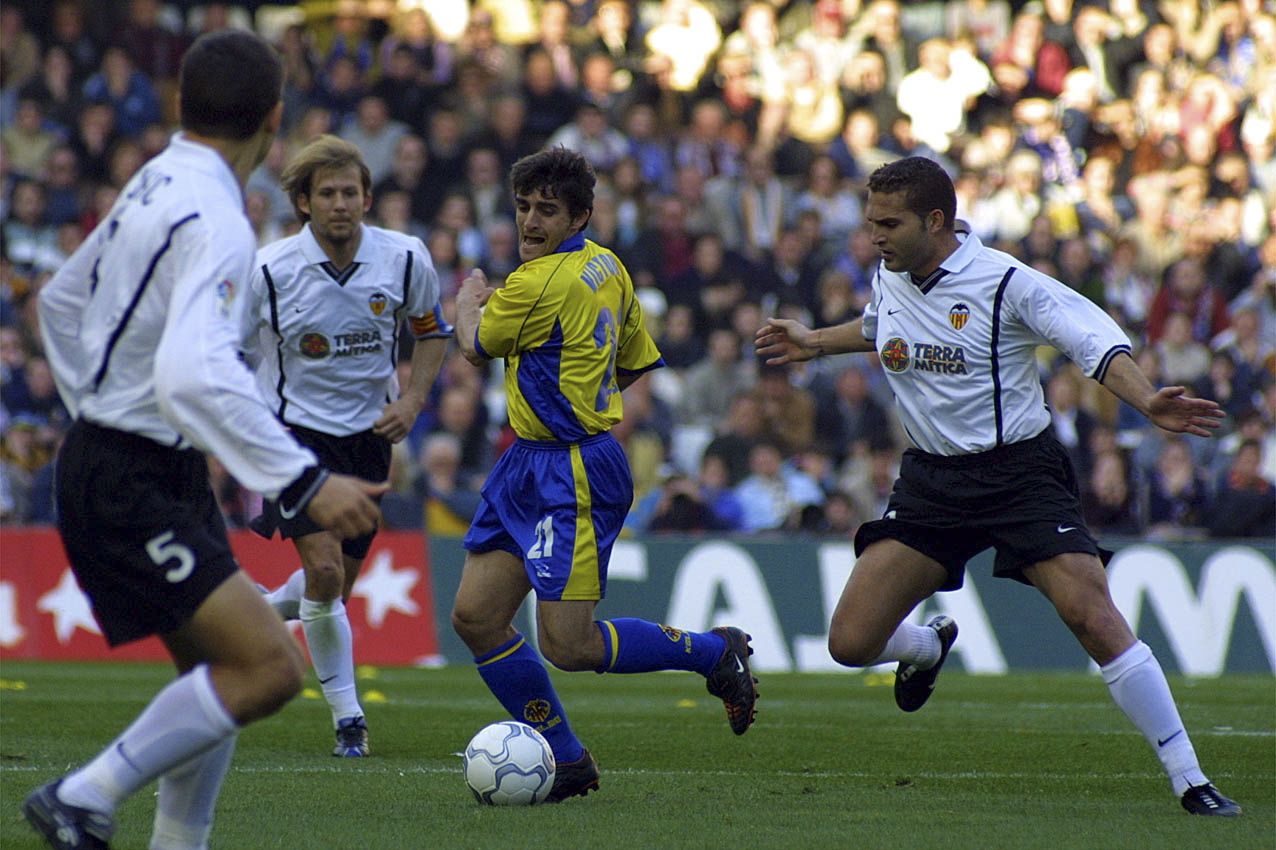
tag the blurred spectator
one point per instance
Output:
(987, 22)
(22, 454)
(20, 48)
(826, 193)
(31, 242)
(64, 192)
(150, 43)
(375, 133)
(1026, 64)
(28, 140)
(481, 45)
(1186, 291)
(1072, 424)
(938, 94)
(1008, 214)
(1177, 495)
(1101, 210)
(461, 414)
(1109, 501)
(704, 143)
(868, 476)
(848, 420)
(681, 41)
(880, 32)
(68, 32)
(550, 104)
(128, 91)
(1245, 502)
(56, 89)
(590, 135)
(685, 504)
(1184, 361)
(712, 382)
(788, 410)
(412, 35)
(774, 493)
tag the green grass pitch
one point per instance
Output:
(1020, 761)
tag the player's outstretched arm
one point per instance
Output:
(783, 341)
(343, 505)
(1169, 407)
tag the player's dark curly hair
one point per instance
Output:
(925, 185)
(229, 82)
(558, 173)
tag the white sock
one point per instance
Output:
(913, 644)
(1138, 686)
(187, 795)
(331, 646)
(286, 599)
(184, 720)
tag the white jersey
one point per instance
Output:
(324, 342)
(959, 348)
(142, 323)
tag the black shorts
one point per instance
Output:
(141, 528)
(1021, 499)
(365, 455)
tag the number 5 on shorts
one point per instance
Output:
(162, 550)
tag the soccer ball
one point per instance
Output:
(509, 764)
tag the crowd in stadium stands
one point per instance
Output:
(1124, 147)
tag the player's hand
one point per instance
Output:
(1174, 411)
(783, 341)
(344, 505)
(475, 289)
(397, 419)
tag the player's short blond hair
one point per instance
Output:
(324, 153)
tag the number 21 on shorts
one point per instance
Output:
(544, 545)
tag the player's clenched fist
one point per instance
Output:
(344, 505)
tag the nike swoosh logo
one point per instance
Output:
(329, 679)
(891, 312)
(1161, 743)
(287, 514)
(1064, 529)
(739, 665)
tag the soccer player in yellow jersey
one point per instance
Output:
(571, 332)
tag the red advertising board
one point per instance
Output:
(44, 615)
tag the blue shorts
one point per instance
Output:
(559, 508)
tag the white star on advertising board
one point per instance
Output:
(69, 607)
(386, 589)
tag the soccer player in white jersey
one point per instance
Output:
(956, 326)
(326, 307)
(141, 326)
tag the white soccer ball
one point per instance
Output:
(509, 764)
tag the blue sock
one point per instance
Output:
(640, 646)
(513, 672)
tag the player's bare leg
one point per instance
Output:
(243, 665)
(328, 635)
(890, 580)
(1077, 586)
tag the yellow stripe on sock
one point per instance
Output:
(506, 654)
(615, 643)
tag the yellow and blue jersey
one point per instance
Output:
(566, 324)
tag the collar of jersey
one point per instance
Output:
(203, 154)
(966, 252)
(575, 242)
(314, 253)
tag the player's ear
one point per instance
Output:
(581, 221)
